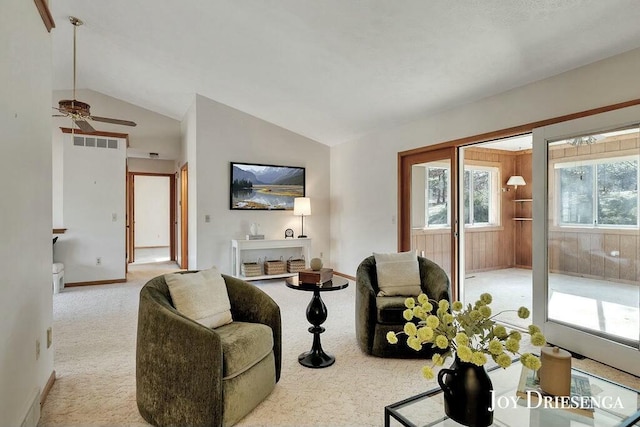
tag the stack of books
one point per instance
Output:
(579, 400)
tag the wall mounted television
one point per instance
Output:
(257, 186)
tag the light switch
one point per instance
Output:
(114, 217)
(207, 218)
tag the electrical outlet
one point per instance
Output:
(37, 349)
(49, 337)
(98, 261)
(320, 254)
(207, 218)
(114, 217)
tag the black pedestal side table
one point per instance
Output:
(316, 315)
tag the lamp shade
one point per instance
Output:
(302, 206)
(516, 180)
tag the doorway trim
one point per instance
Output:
(184, 216)
(131, 213)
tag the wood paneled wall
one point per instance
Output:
(609, 256)
(523, 232)
(435, 245)
(598, 253)
(488, 248)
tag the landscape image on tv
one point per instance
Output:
(265, 187)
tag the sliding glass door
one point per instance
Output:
(586, 236)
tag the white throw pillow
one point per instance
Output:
(201, 296)
(398, 274)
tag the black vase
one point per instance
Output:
(467, 393)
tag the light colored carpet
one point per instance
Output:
(95, 333)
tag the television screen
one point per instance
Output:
(265, 187)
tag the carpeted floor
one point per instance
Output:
(94, 338)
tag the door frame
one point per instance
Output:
(184, 216)
(131, 226)
(404, 197)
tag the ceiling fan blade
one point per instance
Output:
(113, 121)
(84, 126)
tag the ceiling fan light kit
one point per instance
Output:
(79, 112)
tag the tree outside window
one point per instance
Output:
(477, 196)
(604, 192)
(480, 209)
(437, 195)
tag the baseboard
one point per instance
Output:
(47, 388)
(95, 282)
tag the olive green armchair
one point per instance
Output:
(377, 315)
(188, 374)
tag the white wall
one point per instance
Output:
(188, 155)
(25, 214)
(364, 171)
(224, 135)
(93, 212)
(151, 202)
(153, 133)
(151, 165)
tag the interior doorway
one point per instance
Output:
(495, 236)
(151, 231)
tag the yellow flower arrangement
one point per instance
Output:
(470, 333)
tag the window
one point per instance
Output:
(477, 182)
(480, 203)
(481, 209)
(437, 197)
(601, 192)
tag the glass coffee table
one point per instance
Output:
(619, 406)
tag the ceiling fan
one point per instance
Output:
(79, 111)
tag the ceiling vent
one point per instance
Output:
(153, 155)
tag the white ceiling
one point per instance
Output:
(331, 70)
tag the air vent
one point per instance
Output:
(82, 141)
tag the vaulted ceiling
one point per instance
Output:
(331, 70)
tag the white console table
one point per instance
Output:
(274, 248)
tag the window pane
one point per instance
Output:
(481, 196)
(437, 192)
(618, 193)
(576, 195)
(466, 190)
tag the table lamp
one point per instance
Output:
(302, 208)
